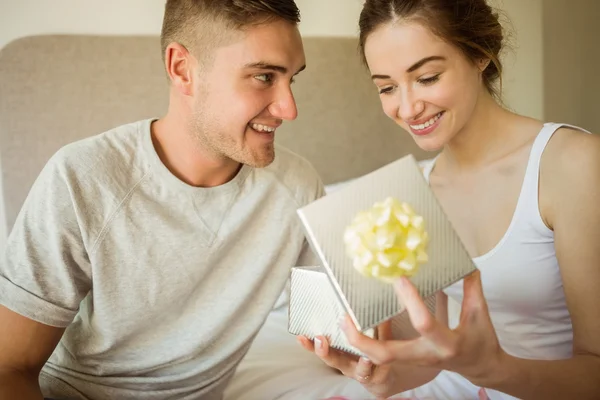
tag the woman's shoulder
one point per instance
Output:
(572, 147)
(569, 171)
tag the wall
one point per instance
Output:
(523, 60)
(30, 17)
(571, 57)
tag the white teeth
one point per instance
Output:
(427, 124)
(262, 128)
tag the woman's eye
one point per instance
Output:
(386, 90)
(429, 80)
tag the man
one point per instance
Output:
(145, 259)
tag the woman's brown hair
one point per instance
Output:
(470, 25)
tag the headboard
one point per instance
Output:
(59, 88)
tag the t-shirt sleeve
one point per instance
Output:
(45, 271)
(312, 189)
(307, 257)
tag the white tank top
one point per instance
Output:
(521, 277)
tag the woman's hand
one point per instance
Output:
(378, 380)
(472, 349)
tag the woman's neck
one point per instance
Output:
(483, 139)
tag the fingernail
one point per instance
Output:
(366, 360)
(401, 282)
(318, 343)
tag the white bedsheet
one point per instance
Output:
(277, 367)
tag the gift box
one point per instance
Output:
(319, 295)
(316, 310)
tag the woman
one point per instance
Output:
(520, 194)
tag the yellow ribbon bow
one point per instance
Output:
(387, 241)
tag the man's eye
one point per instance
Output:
(264, 77)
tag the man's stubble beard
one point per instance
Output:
(209, 137)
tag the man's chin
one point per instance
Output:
(259, 160)
(262, 163)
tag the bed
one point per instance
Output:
(59, 88)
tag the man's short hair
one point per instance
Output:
(200, 25)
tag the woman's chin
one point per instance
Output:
(429, 144)
(432, 142)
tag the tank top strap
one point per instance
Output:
(530, 189)
(428, 167)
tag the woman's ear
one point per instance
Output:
(483, 64)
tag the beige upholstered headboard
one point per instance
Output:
(57, 89)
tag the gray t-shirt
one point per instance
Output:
(162, 286)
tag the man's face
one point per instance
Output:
(245, 94)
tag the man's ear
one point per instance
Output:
(179, 64)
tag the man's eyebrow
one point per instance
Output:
(413, 67)
(272, 67)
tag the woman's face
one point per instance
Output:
(426, 85)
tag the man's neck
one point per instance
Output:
(185, 159)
